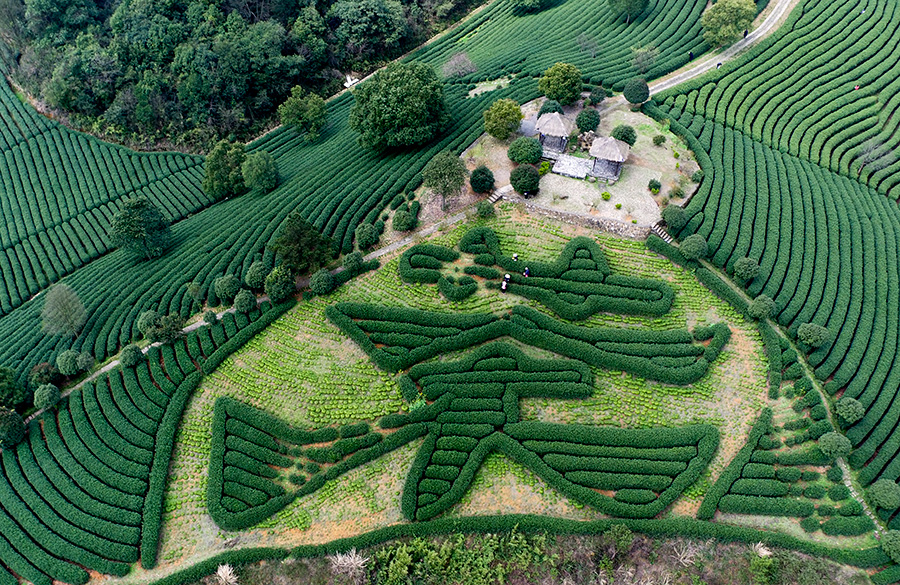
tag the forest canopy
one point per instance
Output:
(192, 71)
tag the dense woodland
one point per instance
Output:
(193, 71)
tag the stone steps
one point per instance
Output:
(658, 229)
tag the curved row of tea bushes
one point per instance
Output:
(824, 245)
(258, 464)
(842, 111)
(396, 338)
(85, 490)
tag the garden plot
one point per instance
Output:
(304, 371)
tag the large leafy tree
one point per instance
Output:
(11, 393)
(63, 312)
(369, 25)
(502, 118)
(561, 82)
(724, 22)
(260, 172)
(306, 112)
(224, 175)
(445, 174)
(300, 246)
(630, 8)
(401, 105)
(141, 228)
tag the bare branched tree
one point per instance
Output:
(684, 552)
(458, 65)
(643, 58)
(225, 575)
(587, 45)
(350, 564)
(875, 155)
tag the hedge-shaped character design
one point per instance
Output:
(259, 464)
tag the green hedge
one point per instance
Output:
(733, 472)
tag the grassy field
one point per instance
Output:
(305, 371)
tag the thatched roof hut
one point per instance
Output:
(554, 124)
(608, 148)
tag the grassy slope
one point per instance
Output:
(331, 381)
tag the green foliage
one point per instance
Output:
(525, 179)
(260, 172)
(401, 105)
(619, 538)
(503, 118)
(353, 263)
(839, 492)
(85, 361)
(256, 275)
(654, 185)
(131, 355)
(210, 317)
(636, 91)
(694, 247)
(140, 227)
(561, 82)
(630, 8)
(227, 287)
(764, 570)
(550, 107)
(674, 217)
(724, 22)
(167, 329)
(371, 25)
(12, 428)
(63, 312)
(224, 170)
(762, 307)
(884, 494)
(300, 246)
(322, 282)
(850, 410)
(625, 133)
(834, 445)
(525, 150)
(659, 140)
(890, 544)
(280, 284)
(746, 269)
(366, 236)
(529, 5)
(697, 176)
(598, 94)
(146, 321)
(305, 112)
(588, 120)
(67, 362)
(482, 179)
(404, 221)
(485, 209)
(46, 396)
(445, 174)
(812, 334)
(244, 301)
(42, 373)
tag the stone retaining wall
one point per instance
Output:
(612, 226)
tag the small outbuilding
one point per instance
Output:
(609, 154)
(554, 130)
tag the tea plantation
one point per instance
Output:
(515, 369)
(801, 201)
